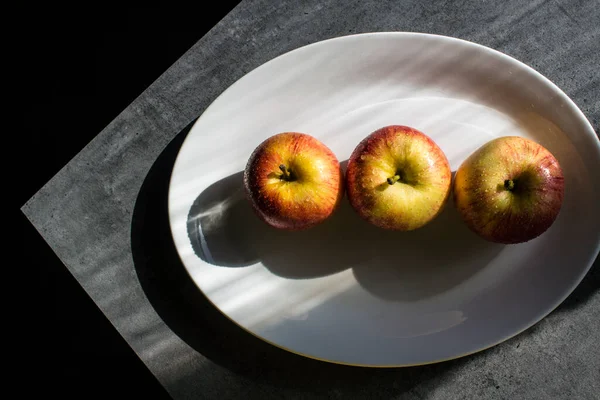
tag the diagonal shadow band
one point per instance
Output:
(191, 316)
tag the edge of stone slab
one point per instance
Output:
(27, 205)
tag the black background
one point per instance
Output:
(77, 70)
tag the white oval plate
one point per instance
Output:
(351, 293)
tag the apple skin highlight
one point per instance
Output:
(510, 190)
(293, 181)
(398, 178)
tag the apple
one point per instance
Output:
(398, 178)
(510, 190)
(293, 181)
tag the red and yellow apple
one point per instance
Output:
(293, 181)
(510, 190)
(398, 178)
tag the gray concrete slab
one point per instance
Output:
(93, 213)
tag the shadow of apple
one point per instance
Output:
(409, 266)
(225, 231)
(397, 266)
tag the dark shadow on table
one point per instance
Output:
(186, 311)
(189, 314)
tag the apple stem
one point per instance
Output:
(509, 184)
(393, 179)
(287, 174)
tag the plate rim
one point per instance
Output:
(573, 108)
